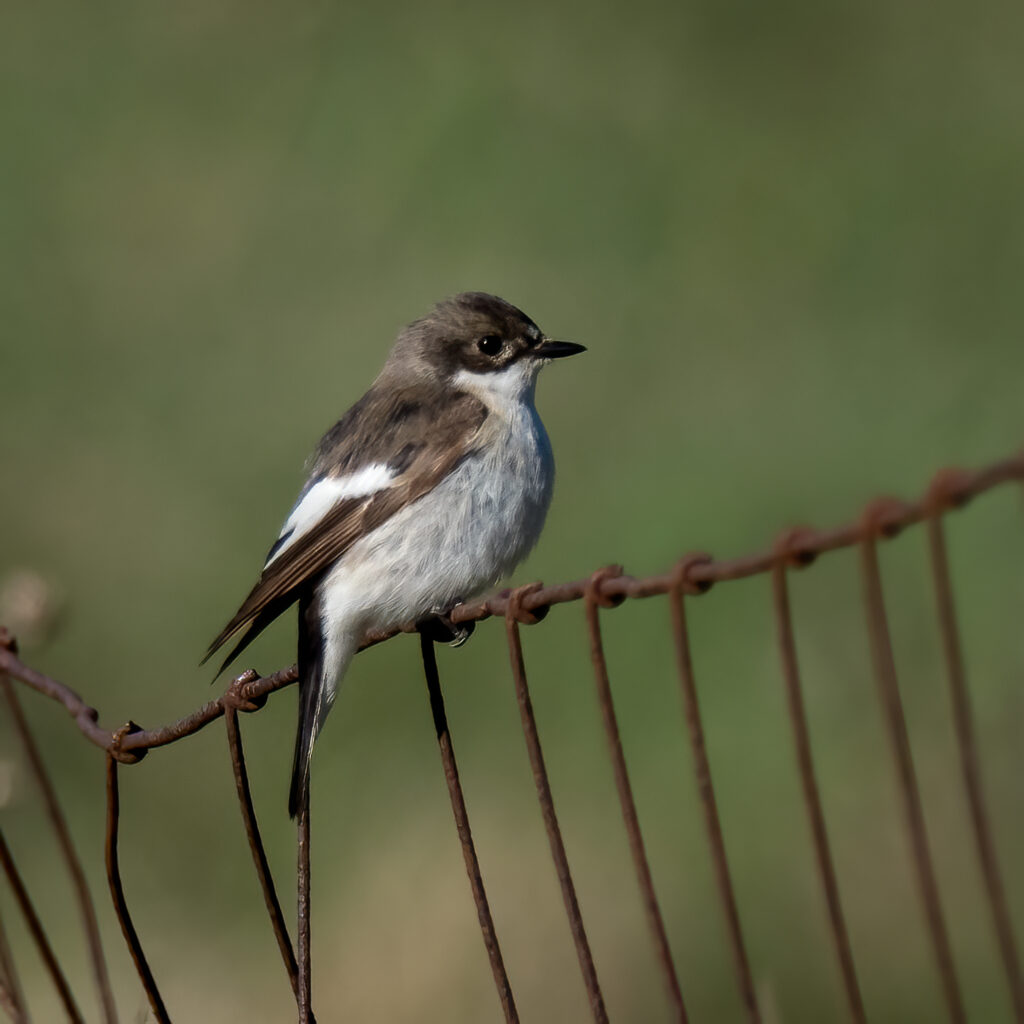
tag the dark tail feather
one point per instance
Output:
(255, 627)
(254, 630)
(311, 697)
(224, 636)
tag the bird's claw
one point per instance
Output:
(442, 630)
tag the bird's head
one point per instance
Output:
(478, 342)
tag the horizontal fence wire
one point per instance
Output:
(605, 589)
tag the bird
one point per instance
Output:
(428, 491)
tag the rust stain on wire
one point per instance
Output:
(476, 882)
(71, 858)
(684, 581)
(35, 927)
(259, 855)
(878, 520)
(131, 937)
(805, 763)
(547, 803)
(655, 922)
(943, 486)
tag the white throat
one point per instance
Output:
(502, 390)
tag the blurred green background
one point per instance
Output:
(791, 237)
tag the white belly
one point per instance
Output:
(463, 537)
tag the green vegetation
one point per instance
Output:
(791, 237)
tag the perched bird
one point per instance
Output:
(429, 490)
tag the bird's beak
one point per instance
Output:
(549, 349)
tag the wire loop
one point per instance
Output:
(792, 547)
(515, 610)
(681, 573)
(883, 518)
(595, 595)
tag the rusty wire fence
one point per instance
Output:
(694, 574)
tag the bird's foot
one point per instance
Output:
(442, 630)
(238, 695)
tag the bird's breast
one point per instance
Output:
(462, 537)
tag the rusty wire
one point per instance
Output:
(131, 936)
(892, 705)
(814, 542)
(35, 927)
(12, 999)
(684, 582)
(514, 614)
(652, 911)
(805, 765)
(527, 605)
(967, 746)
(476, 882)
(71, 859)
(259, 855)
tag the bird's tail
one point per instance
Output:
(323, 660)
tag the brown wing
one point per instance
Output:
(454, 433)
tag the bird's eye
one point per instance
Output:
(490, 345)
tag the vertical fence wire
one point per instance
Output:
(72, 862)
(970, 769)
(652, 911)
(38, 933)
(455, 795)
(131, 936)
(547, 806)
(9, 1006)
(702, 770)
(12, 998)
(812, 798)
(259, 854)
(888, 688)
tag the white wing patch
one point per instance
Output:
(323, 496)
